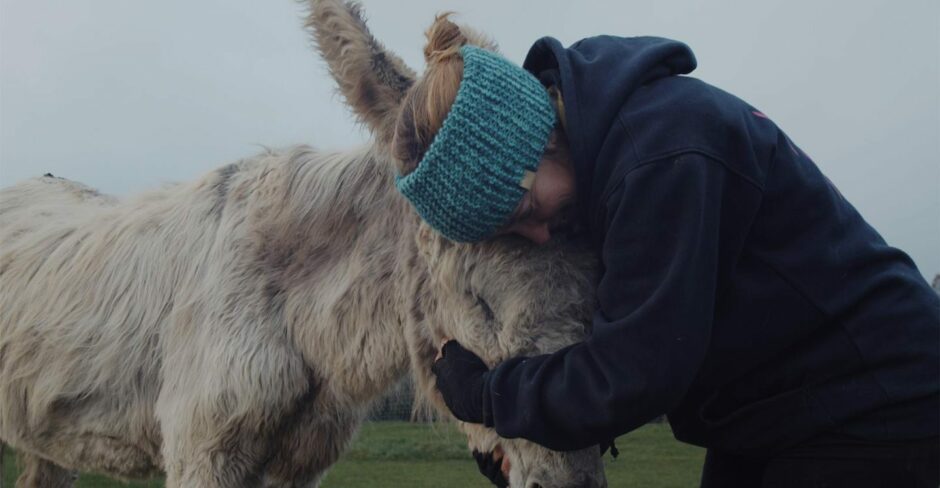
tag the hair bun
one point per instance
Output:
(444, 40)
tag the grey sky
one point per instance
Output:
(126, 95)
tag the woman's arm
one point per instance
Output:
(674, 229)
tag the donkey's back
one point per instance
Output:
(90, 290)
(146, 335)
(45, 202)
(79, 373)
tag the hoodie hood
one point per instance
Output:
(596, 76)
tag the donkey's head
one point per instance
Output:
(501, 298)
(506, 298)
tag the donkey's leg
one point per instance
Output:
(292, 452)
(310, 442)
(39, 473)
(218, 436)
(230, 460)
(206, 446)
(296, 452)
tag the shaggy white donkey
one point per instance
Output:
(233, 331)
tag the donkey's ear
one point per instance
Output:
(372, 80)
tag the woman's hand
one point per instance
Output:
(461, 376)
(460, 379)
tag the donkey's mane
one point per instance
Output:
(326, 188)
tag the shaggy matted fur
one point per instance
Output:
(232, 331)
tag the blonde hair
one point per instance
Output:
(427, 103)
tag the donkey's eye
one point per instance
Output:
(487, 311)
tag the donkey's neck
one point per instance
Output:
(345, 240)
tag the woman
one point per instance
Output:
(741, 295)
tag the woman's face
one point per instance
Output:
(548, 205)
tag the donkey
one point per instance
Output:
(234, 330)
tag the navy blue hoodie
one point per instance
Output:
(740, 293)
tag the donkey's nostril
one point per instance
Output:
(533, 485)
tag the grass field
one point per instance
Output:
(399, 454)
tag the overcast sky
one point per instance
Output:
(126, 95)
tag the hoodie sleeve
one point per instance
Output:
(673, 229)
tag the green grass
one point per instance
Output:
(397, 454)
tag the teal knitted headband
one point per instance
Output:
(468, 183)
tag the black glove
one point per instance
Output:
(491, 468)
(461, 376)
